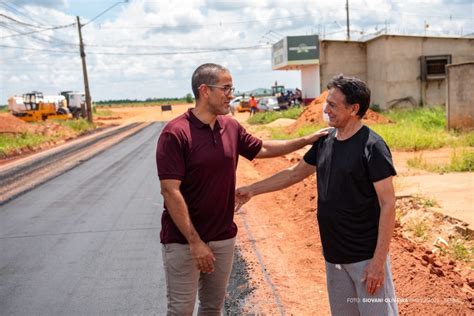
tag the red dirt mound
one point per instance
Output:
(11, 124)
(313, 114)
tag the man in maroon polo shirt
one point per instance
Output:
(196, 157)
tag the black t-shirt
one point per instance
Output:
(348, 207)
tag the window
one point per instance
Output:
(434, 67)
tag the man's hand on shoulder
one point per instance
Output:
(311, 139)
(203, 256)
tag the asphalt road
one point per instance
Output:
(87, 242)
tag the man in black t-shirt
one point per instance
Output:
(356, 203)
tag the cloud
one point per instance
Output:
(162, 42)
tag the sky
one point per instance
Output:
(139, 49)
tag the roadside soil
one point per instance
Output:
(279, 239)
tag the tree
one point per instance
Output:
(189, 98)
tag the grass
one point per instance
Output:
(79, 126)
(433, 118)
(419, 228)
(431, 229)
(17, 142)
(420, 129)
(413, 138)
(460, 162)
(413, 129)
(103, 112)
(268, 117)
(460, 251)
(468, 139)
(278, 133)
(138, 103)
(10, 143)
(427, 202)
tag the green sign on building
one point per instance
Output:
(294, 51)
(303, 47)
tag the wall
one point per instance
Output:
(344, 57)
(393, 68)
(460, 96)
(377, 71)
(310, 81)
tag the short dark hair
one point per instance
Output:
(355, 91)
(206, 74)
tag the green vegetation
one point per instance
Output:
(420, 129)
(427, 202)
(460, 251)
(189, 98)
(419, 229)
(412, 130)
(432, 229)
(147, 102)
(412, 137)
(80, 125)
(427, 118)
(267, 117)
(459, 163)
(468, 139)
(103, 112)
(18, 142)
(278, 133)
(10, 143)
(3, 108)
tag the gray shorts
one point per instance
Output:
(348, 295)
(183, 279)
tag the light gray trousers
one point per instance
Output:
(183, 279)
(348, 295)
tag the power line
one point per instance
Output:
(147, 54)
(43, 30)
(40, 49)
(103, 12)
(14, 9)
(54, 41)
(19, 22)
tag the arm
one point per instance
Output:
(275, 148)
(375, 272)
(278, 181)
(178, 210)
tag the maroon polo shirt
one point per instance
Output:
(205, 162)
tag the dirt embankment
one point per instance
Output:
(281, 229)
(54, 133)
(284, 227)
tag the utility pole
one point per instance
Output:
(347, 19)
(84, 71)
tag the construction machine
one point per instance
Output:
(35, 107)
(280, 92)
(75, 102)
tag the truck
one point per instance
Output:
(75, 102)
